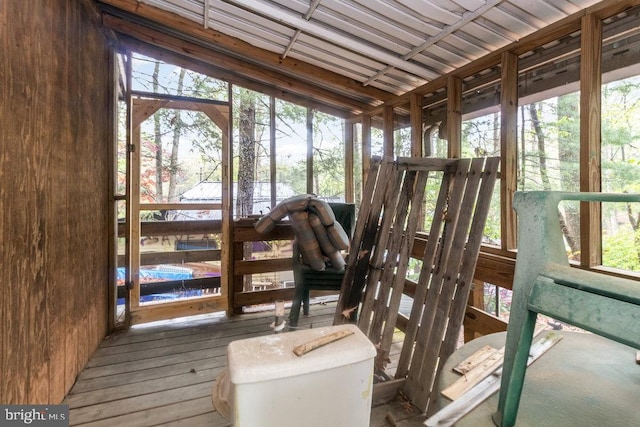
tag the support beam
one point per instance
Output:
(387, 132)
(366, 147)
(590, 142)
(348, 161)
(508, 148)
(415, 102)
(454, 116)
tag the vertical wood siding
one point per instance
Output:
(54, 136)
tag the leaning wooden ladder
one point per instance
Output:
(375, 279)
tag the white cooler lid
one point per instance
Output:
(270, 357)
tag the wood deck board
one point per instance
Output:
(164, 373)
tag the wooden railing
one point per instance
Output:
(492, 267)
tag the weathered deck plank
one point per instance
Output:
(164, 373)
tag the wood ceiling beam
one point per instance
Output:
(264, 58)
(230, 64)
(210, 70)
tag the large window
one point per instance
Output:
(620, 153)
(481, 138)
(328, 157)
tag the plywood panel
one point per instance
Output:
(53, 175)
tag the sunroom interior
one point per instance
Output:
(142, 140)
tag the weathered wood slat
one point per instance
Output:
(427, 333)
(428, 260)
(166, 415)
(380, 271)
(418, 188)
(145, 378)
(453, 412)
(358, 255)
(139, 403)
(449, 258)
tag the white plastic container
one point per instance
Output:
(329, 386)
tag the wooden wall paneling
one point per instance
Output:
(454, 116)
(508, 148)
(4, 218)
(54, 197)
(590, 146)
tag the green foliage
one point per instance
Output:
(621, 250)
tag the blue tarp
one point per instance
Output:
(150, 274)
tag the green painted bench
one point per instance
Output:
(545, 283)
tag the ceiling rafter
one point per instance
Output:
(294, 38)
(362, 51)
(280, 15)
(465, 19)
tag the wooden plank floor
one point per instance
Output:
(163, 373)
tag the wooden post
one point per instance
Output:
(348, 161)
(454, 116)
(508, 148)
(366, 146)
(227, 210)
(415, 101)
(590, 142)
(387, 132)
(310, 189)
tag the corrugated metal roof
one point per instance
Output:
(391, 45)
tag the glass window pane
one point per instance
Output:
(155, 76)
(328, 157)
(620, 153)
(251, 152)
(291, 149)
(481, 138)
(402, 142)
(548, 131)
(376, 142)
(180, 158)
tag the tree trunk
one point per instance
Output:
(246, 168)
(175, 144)
(568, 153)
(157, 139)
(542, 155)
(247, 157)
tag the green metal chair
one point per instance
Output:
(545, 283)
(307, 279)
